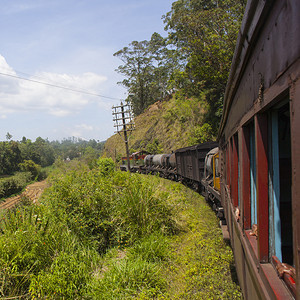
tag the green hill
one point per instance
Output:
(163, 127)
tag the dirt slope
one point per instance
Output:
(32, 191)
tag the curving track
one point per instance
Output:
(32, 191)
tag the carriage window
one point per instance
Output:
(253, 176)
(235, 171)
(281, 240)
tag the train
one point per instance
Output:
(195, 166)
(251, 175)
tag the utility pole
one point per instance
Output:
(122, 116)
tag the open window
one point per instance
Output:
(281, 239)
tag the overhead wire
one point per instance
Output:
(59, 86)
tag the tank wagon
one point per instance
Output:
(259, 144)
(162, 164)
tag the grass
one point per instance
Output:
(202, 263)
(101, 234)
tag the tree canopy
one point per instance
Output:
(14, 155)
(147, 68)
(194, 58)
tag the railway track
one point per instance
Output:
(32, 191)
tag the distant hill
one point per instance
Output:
(163, 127)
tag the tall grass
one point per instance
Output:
(96, 234)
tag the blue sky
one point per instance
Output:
(68, 43)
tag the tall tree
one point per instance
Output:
(147, 67)
(205, 32)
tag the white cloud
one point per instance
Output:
(27, 95)
(85, 127)
(81, 130)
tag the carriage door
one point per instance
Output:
(281, 237)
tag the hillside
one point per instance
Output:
(163, 127)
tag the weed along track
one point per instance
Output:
(32, 192)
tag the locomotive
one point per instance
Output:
(253, 177)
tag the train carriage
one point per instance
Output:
(190, 163)
(259, 142)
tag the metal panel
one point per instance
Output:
(245, 176)
(235, 172)
(261, 129)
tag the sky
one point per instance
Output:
(67, 43)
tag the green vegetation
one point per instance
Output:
(165, 126)
(194, 60)
(13, 154)
(176, 84)
(104, 234)
(26, 161)
(14, 184)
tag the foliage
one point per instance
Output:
(110, 235)
(205, 33)
(43, 153)
(14, 184)
(155, 147)
(147, 68)
(30, 166)
(193, 60)
(106, 166)
(201, 134)
(129, 278)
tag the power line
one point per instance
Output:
(58, 86)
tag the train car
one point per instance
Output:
(190, 163)
(259, 143)
(162, 164)
(136, 161)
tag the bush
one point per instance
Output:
(30, 166)
(14, 184)
(140, 210)
(106, 166)
(41, 256)
(201, 134)
(153, 248)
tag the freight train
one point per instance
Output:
(196, 167)
(254, 174)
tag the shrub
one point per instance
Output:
(141, 210)
(65, 279)
(14, 184)
(201, 134)
(41, 256)
(30, 166)
(106, 166)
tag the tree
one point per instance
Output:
(8, 136)
(205, 32)
(30, 166)
(147, 68)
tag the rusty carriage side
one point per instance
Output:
(259, 143)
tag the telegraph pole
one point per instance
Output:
(122, 116)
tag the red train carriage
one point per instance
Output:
(136, 161)
(259, 143)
